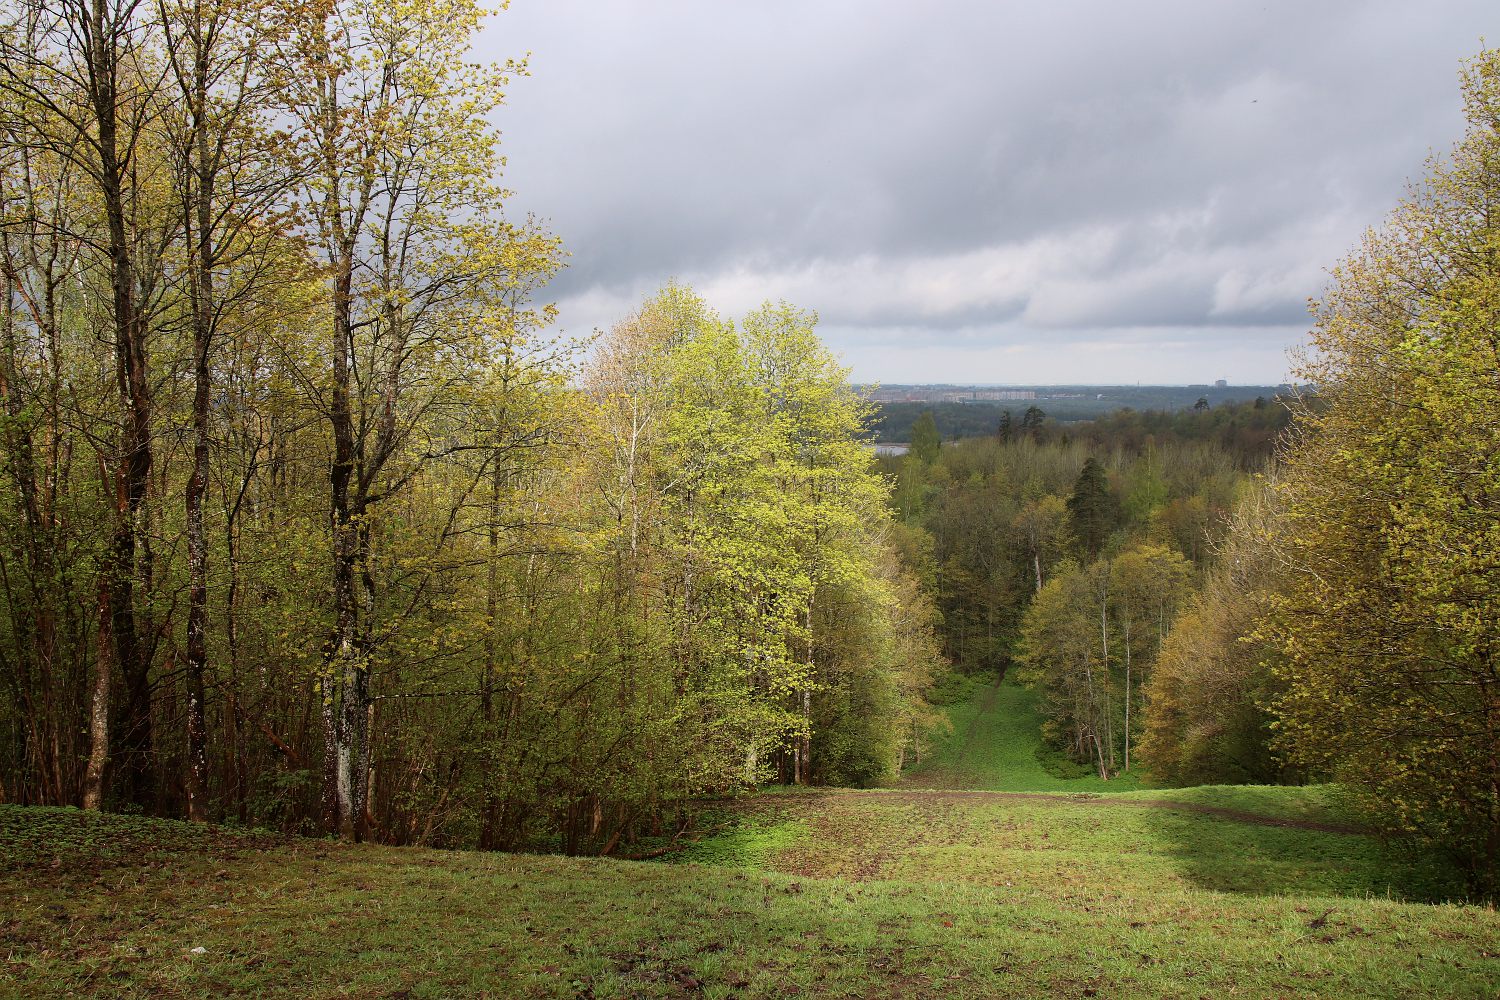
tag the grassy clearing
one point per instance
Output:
(1121, 846)
(1052, 889)
(315, 919)
(996, 745)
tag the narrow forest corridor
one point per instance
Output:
(996, 745)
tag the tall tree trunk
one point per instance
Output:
(1104, 653)
(359, 705)
(491, 817)
(236, 710)
(201, 293)
(130, 559)
(342, 707)
(30, 610)
(93, 780)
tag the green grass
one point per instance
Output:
(750, 843)
(319, 919)
(68, 839)
(1323, 804)
(996, 745)
(1123, 845)
(1046, 887)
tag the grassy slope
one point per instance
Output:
(993, 746)
(1123, 846)
(314, 919)
(821, 894)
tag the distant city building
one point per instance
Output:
(948, 394)
(991, 395)
(1221, 383)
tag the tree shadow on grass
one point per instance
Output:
(1275, 858)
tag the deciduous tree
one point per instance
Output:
(1391, 657)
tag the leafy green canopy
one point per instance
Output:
(1392, 490)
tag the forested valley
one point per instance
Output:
(1067, 553)
(1281, 592)
(1287, 591)
(311, 523)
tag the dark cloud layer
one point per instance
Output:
(981, 191)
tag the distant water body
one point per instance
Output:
(891, 449)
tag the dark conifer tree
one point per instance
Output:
(1091, 509)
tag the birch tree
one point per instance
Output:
(399, 159)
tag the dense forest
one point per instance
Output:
(308, 522)
(1068, 552)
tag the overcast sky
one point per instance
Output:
(981, 191)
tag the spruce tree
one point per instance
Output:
(1091, 509)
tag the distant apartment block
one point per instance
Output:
(948, 394)
(1003, 394)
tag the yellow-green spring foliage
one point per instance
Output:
(1390, 621)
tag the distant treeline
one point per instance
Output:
(1247, 431)
(1062, 404)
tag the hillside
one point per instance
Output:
(901, 893)
(1105, 903)
(995, 744)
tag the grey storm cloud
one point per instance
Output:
(955, 183)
